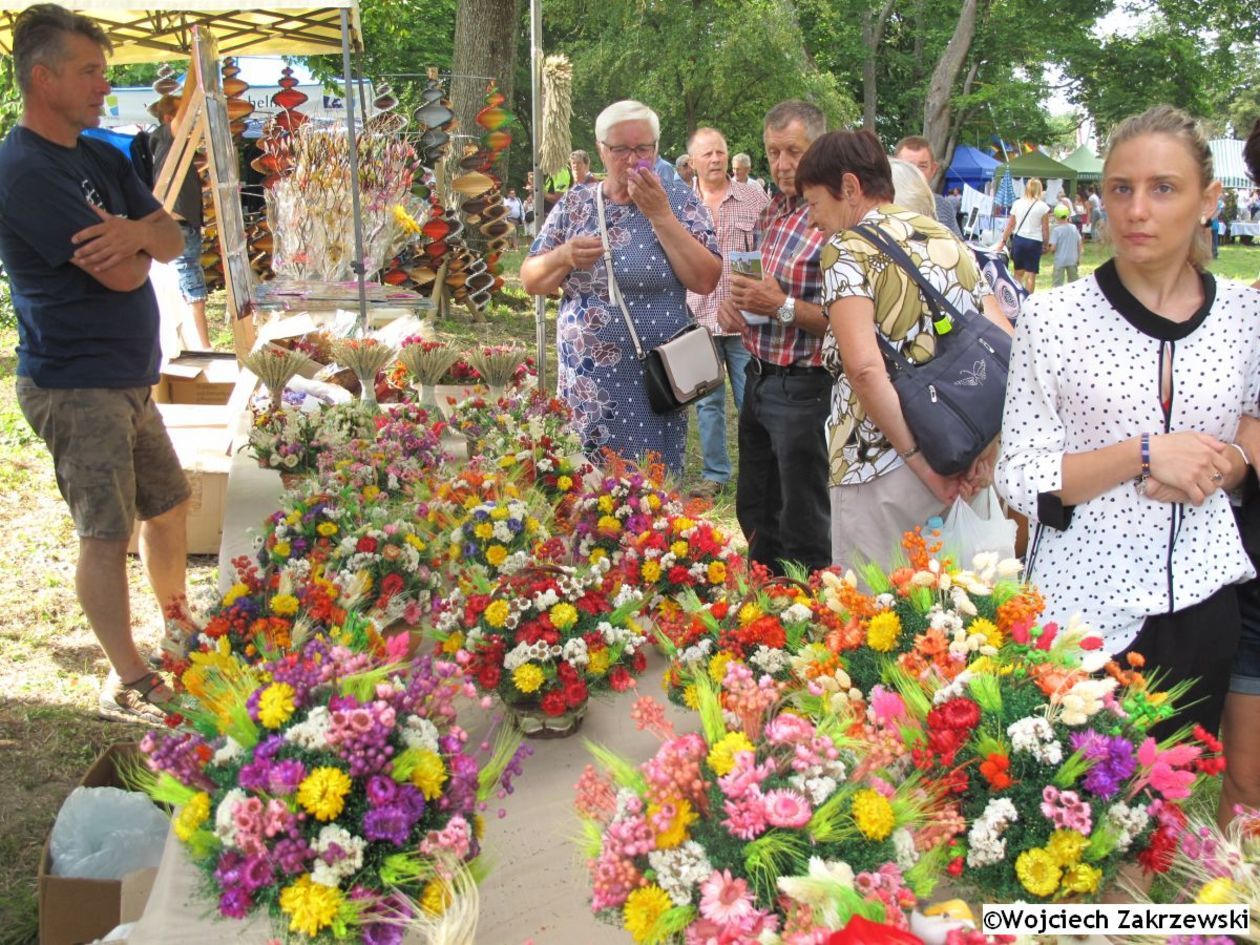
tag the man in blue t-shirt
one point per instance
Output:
(78, 232)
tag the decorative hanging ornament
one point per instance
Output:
(234, 88)
(166, 83)
(287, 101)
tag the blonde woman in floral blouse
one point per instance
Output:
(880, 483)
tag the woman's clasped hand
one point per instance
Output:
(1188, 467)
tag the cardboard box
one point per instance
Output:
(203, 378)
(202, 436)
(75, 911)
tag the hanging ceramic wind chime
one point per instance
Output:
(438, 266)
(485, 216)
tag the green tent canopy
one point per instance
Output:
(1088, 166)
(1036, 164)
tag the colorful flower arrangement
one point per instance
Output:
(1212, 867)
(545, 639)
(405, 450)
(927, 616)
(502, 537)
(1042, 738)
(291, 440)
(392, 567)
(1057, 781)
(680, 554)
(328, 791)
(263, 613)
(503, 422)
(743, 829)
(764, 630)
(611, 512)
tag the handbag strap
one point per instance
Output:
(944, 313)
(1031, 206)
(614, 290)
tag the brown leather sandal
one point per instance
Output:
(144, 700)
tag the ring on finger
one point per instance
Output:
(1218, 477)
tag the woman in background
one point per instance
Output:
(880, 484)
(1028, 234)
(662, 242)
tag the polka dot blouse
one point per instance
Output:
(1085, 374)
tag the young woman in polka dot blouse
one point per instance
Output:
(1123, 408)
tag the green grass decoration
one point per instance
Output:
(623, 772)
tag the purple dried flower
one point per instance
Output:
(235, 903)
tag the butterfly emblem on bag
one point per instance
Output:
(973, 378)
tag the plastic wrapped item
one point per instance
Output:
(105, 833)
(982, 526)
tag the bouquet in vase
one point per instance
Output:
(334, 794)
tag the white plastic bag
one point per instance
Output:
(972, 529)
(105, 833)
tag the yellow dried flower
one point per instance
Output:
(883, 630)
(322, 793)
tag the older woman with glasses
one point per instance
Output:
(662, 242)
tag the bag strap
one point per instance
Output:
(614, 290)
(944, 313)
(1031, 206)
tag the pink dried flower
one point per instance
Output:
(725, 900)
(787, 808)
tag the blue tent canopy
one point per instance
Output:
(119, 140)
(970, 167)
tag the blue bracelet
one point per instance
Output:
(1146, 455)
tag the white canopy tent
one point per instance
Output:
(1227, 162)
(164, 31)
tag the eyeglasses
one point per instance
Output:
(621, 151)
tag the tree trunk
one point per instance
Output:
(945, 157)
(872, 35)
(936, 107)
(485, 48)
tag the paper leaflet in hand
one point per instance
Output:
(748, 263)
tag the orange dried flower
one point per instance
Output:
(1027, 606)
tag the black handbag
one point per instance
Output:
(953, 403)
(680, 370)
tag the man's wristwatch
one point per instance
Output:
(787, 311)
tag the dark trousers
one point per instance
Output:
(781, 498)
(1195, 643)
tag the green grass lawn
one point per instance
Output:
(1238, 262)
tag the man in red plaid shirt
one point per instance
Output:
(736, 208)
(781, 497)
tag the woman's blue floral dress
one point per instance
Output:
(598, 373)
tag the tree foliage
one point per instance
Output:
(704, 62)
(1127, 75)
(400, 40)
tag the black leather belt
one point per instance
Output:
(757, 366)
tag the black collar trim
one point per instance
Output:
(1141, 317)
